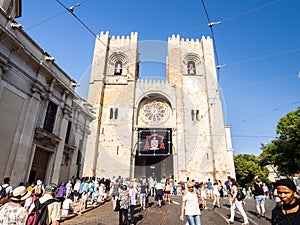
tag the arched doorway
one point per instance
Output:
(154, 153)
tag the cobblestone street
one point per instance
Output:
(169, 214)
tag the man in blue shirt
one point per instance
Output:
(209, 189)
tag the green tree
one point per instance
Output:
(247, 167)
(284, 151)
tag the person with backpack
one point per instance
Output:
(236, 203)
(5, 191)
(46, 209)
(258, 192)
(13, 212)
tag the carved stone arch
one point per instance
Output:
(158, 94)
(117, 61)
(192, 62)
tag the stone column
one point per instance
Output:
(73, 168)
(24, 153)
(61, 145)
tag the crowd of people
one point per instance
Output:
(17, 205)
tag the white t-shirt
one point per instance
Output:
(132, 195)
(67, 203)
(191, 204)
(77, 186)
(7, 187)
(28, 202)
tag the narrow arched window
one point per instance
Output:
(118, 68)
(111, 113)
(116, 113)
(191, 68)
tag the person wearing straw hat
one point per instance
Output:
(13, 212)
(289, 212)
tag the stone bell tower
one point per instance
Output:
(111, 92)
(204, 143)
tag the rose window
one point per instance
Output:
(154, 112)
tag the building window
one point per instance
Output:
(118, 68)
(197, 115)
(68, 133)
(50, 117)
(154, 112)
(192, 114)
(116, 114)
(191, 68)
(111, 113)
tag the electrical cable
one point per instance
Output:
(81, 22)
(267, 112)
(51, 17)
(264, 57)
(234, 17)
(250, 11)
(45, 20)
(210, 25)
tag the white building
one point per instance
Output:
(159, 128)
(44, 123)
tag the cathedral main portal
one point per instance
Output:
(154, 153)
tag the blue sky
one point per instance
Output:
(257, 41)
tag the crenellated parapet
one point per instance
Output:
(150, 81)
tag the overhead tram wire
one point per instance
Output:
(250, 11)
(210, 25)
(267, 112)
(235, 16)
(51, 17)
(71, 10)
(46, 20)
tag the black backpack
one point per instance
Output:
(3, 193)
(240, 195)
(39, 214)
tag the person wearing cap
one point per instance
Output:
(13, 212)
(38, 189)
(53, 216)
(190, 205)
(289, 212)
(259, 196)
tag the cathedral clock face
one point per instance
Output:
(154, 113)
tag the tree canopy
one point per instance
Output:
(284, 151)
(247, 167)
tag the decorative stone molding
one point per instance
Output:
(118, 56)
(192, 57)
(36, 89)
(45, 138)
(4, 66)
(67, 110)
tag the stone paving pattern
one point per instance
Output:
(169, 214)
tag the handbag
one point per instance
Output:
(201, 206)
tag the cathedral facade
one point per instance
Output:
(159, 128)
